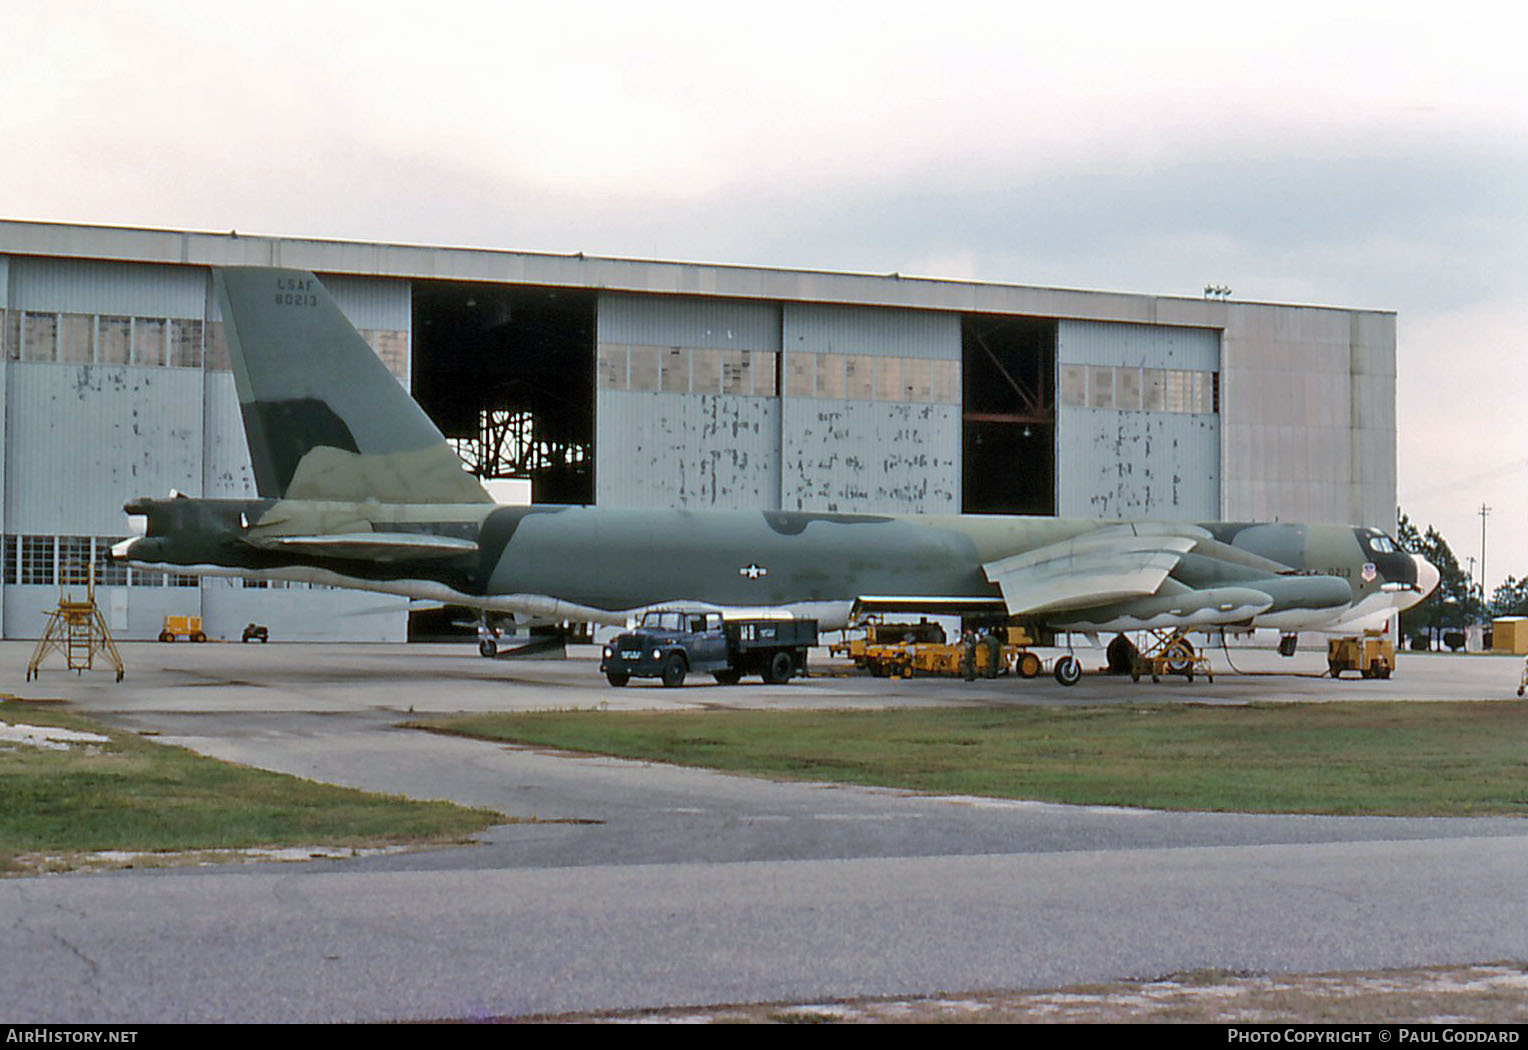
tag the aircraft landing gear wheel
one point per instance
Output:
(1028, 665)
(727, 677)
(673, 671)
(488, 648)
(779, 670)
(1180, 658)
(617, 678)
(1068, 670)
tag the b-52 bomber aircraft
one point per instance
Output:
(357, 488)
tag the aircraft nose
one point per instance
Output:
(1427, 576)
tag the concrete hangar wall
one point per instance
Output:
(692, 385)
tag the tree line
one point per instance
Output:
(1458, 601)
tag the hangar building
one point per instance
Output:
(628, 382)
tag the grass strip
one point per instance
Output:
(132, 794)
(1443, 759)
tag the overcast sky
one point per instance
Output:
(1371, 155)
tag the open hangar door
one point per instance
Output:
(507, 374)
(1008, 412)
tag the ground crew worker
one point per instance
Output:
(968, 655)
(994, 653)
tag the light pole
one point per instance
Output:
(1484, 513)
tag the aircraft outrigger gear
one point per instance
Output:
(1169, 652)
(1067, 670)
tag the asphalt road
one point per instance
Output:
(638, 885)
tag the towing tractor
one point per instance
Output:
(672, 643)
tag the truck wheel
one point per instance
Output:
(617, 678)
(166, 636)
(673, 671)
(779, 670)
(731, 676)
(198, 637)
(1068, 670)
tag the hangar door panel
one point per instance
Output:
(1137, 421)
(686, 410)
(870, 405)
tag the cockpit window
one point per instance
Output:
(1381, 544)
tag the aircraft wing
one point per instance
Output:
(1111, 564)
(1161, 575)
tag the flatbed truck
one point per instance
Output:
(670, 644)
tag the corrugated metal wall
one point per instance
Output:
(1309, 398)
(870, 410)
(81, 439)
(84, 287)
(649, 320)
(226, 469)
(1372, 483)
(820, 329)
(698, 407)
(685, 411)
(1137, 431)
(85, 430)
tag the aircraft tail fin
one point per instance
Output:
(324, 418)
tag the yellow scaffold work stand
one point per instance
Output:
(77, 630)
(1169, 652)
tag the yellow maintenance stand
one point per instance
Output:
(1169, 652)
(76, 629)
